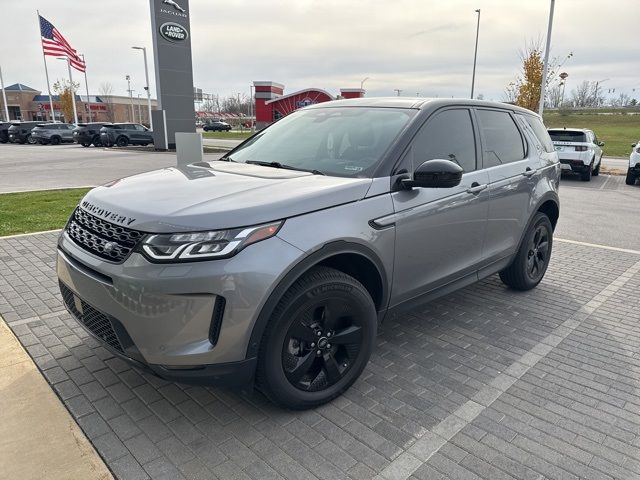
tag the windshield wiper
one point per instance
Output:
(283, 166)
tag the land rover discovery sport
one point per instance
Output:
(279, 262)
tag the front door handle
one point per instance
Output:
(476, 188)
(529, 172)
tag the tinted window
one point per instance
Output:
(502, 139)
(448, 135)
(541, 132)
(567, 136)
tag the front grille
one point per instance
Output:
(96, 322)
(104, 239)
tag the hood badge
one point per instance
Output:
(106, 214)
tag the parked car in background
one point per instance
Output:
(53, 133)
(20, 132)
(4, 132)
(123, 134)
(633, 173)
(579, 151)
(280, 261)
(218, 126)
(87, 134)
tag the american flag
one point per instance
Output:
(54, 44)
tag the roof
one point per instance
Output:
(55, 98)
(416, 102)
(20, 87)
(299, 92)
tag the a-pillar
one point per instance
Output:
(265, 91)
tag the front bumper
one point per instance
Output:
(162, 315)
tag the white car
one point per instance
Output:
(634, 165)
(579, 151)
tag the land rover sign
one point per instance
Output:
(173, 32)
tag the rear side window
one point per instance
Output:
(541, 132)
(567, 136)
(448, 135)
(502, 139)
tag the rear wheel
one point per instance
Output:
(55, 140)
(122, 141)
(586, 175)
(86, 144)
(318, 340)
(96, 141)
(531, 261)
(31, 140)
(631, 178)
(596, 171)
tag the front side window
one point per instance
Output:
(449, 136)
(502, 141)
(340, 141)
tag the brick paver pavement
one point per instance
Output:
(484, 383)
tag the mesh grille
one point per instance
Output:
(104, 239)
(96, 322)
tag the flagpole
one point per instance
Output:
(73, 92)
(86, 84)
(4, 98)
(46, 71)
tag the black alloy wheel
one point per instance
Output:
(318, 341)
(96, 141)
(55, 140)
(532, 259)
(122, 141)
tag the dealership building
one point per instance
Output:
(272, 104)
(28, 104)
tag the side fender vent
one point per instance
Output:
(216, 320)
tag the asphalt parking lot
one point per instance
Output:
(484, 383)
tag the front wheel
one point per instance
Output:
(31, 140)
(318, 341)
(532, 259)
(122, 141)
(631, 178)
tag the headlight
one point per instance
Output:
(186, 247)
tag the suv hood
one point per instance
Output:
(217, 195)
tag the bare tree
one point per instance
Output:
(554, 96)
(586, 94)
(106, 92)
(623, 100)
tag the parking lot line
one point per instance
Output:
(430, 443)
(19, 235)
(596, 245)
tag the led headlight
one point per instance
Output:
(176, 247)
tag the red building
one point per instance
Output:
(272, 104)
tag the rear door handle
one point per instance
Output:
(476, 188)
(529, 172)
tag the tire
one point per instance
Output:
(55, 140)
(586, 176)
(531, 260)
(596, 171)
(122, 141)
(30, 140)
(96, 141)
(302, 325)
(86, 144)
(631, 178)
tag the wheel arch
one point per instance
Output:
(351, 258)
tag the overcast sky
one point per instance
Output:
(418, 46)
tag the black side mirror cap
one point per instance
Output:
(436, 173)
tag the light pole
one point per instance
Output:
(362, 82)
(146, 76)
(595, 94)
(4, 98)
(563, 77)
(251, 122)
(398, 91)
(133, 114)
(545, 69)
(475, 55)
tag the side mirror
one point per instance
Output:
(435, 174)
(601, 144)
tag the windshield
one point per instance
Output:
(567, 136)
(345, 142)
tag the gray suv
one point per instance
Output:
(53, 133)
(280, 261)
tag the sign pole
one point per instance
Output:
(86, 84)
(46, 72)
(4, 97)
(73, 93)
(545, 69)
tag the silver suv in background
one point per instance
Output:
(579, 151)
(280, 261)
(53, 133)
